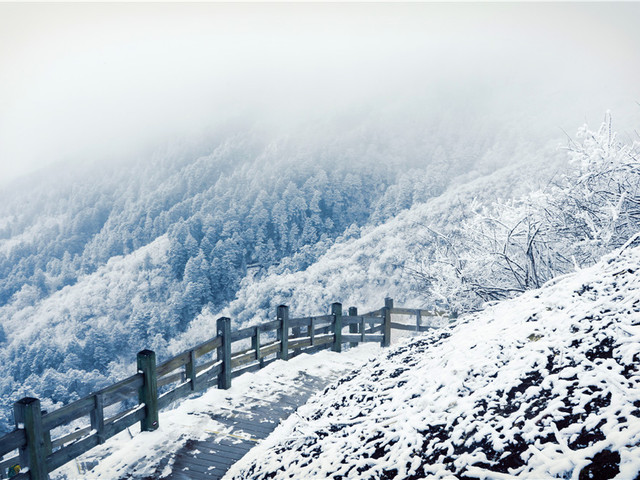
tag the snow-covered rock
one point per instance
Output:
(546, 385)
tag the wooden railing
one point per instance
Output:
(214, 362)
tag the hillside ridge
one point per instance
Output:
(544, 385)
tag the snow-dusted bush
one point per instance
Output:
(511, 246)
(596, 206)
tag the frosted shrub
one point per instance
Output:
(596, 205)
(511, 246)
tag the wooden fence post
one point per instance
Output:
(296, 332)
(418, 320)
(28, 415)
(336, 311)
(353, 328)
(388, 305)
(47, 438)
(283, 317)
(190, 369)
(224, 352)
(97, 417)
(255, 344)
(312, 331)
(148, 393)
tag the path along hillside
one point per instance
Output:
(543, 386)
(163, 453)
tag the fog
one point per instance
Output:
(85, 82)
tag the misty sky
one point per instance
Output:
(101, 81)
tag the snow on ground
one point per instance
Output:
(140, 454)
(543, 386)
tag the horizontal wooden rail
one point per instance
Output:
(169, 379)
(84, 406)
(71, 437)
(423, 313)
(361, 338)
(412, 328)
(299, 322)
(11, 441)
(273, 325)
(7, 464)
(182, 374)
(359, 319)
(113, 427)
(173, 363)
(183, 358)
(207, 346)
(301, 343)
(241, 334)
(270, 348)
(323, 339)
(114, 393)
(403, 326)
(376, 329)
(323, 319)
(243, 358)
(81, 432)
(252, 368)
(177, 393)
(207, 366)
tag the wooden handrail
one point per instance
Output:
(424, 313)
(12, 441)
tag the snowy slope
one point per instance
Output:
(543, 386)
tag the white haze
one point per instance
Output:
(86, 82)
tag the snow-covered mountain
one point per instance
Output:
(546, 385)
(99, 262)
(100, 269)
(220, 160)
